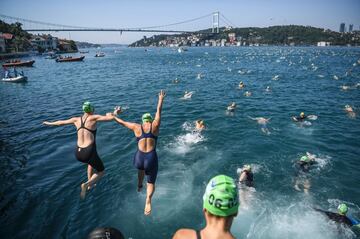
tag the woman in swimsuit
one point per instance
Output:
(86, 142)
(145, 159)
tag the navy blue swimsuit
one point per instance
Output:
(147, 161)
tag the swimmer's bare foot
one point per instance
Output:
(90, 187)
(139, 188)
(147, 209)
(83, 190)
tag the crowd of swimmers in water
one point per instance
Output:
(222, 195)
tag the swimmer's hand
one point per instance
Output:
(162, 95)
(47, 123)
(294, 118)
(117, 110)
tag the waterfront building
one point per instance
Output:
(5, 39)
(342, 27)
(65, 46)
(351, 26)
(232, 37)
(323, 43)
(45, 42)
(2, 44)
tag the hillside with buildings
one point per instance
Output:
(15, 40)
(291, 35)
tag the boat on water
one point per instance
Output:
(69, 59)
(18, 63)
(83, 52)
(16, 79)
(100, 54)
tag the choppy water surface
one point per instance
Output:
(40, 177)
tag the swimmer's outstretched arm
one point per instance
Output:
(128, 125)
(157, 119)
(60, 122)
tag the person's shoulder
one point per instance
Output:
(185, 234)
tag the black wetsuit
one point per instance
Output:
(336, 217)
(147, 161)
(89, 154)
(249, 179)
(300, 119)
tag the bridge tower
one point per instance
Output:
(215, 22)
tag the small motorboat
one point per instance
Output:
(100, 54)
(18, 63)
(69, 59)
(84, 52)
(16, 79)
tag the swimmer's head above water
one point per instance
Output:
(221, 197)
(88, 107)
(342, 209)
(247, 168)
(305, 159)
(302, 115)
(147, 118)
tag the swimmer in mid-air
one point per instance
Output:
(231, 107)
(199, 125)
(303, 168)
(86, 142)
(145, 159)
(341, 217)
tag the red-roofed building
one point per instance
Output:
(7, 36)
(4, 39)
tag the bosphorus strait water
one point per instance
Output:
(40, 177)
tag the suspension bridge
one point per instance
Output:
(28, 25)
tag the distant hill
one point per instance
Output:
(274, 35)
(81, 44)
(114, 45)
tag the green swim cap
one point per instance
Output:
(342, 209)
(221, 196)
(305, 159)
(88, 107)
(147, 118)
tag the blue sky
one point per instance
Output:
(138, 13)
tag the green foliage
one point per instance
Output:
(274, 35)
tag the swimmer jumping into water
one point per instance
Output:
(86, 142)
(145, 159)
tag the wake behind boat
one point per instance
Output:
(69, 59)
(18, 63)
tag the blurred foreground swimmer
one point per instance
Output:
(220, 206)
(105, 233)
